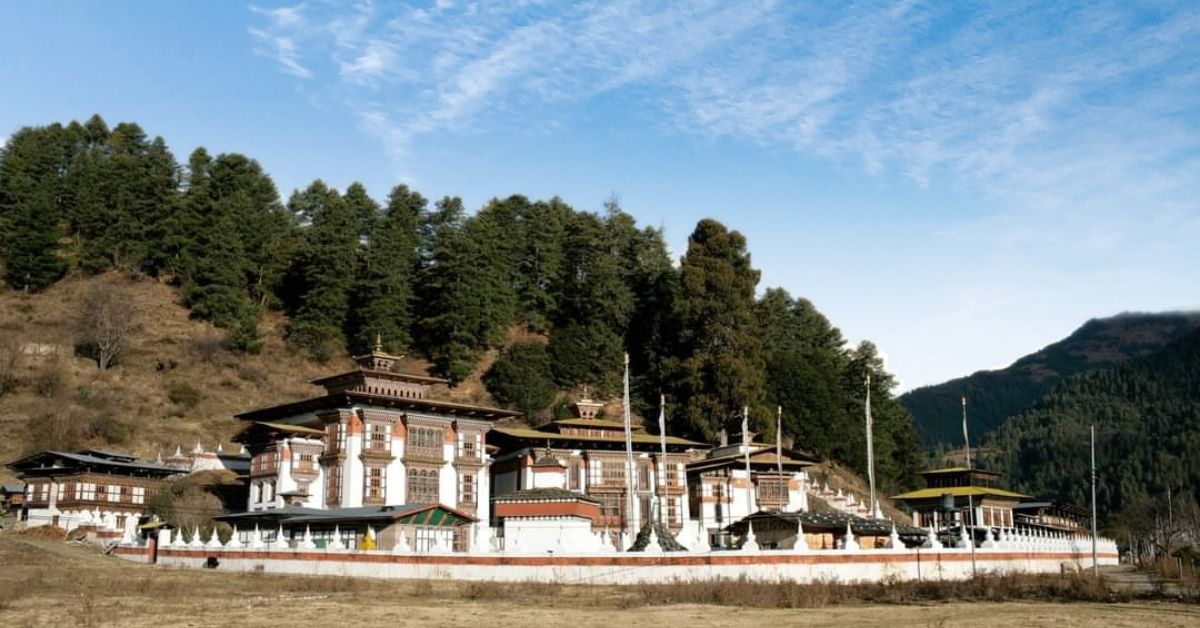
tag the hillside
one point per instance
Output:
(174, 385)
(1147, 417)
(995, 395)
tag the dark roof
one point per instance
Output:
(360, 373)
(57, 462)
(300, 515)
(273, 515)
(829, 522)
(789, 462)
(352, 398)
(111, 455)
(270, 429)
(536, 494)
(1069, 508)
(958, 470)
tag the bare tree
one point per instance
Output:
(105, 322)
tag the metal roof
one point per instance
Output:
(537, 494)
(351, 398)
(26, 465)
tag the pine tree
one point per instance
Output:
(594, 302)
(326, 268)
(31, 192)
(383, 295)
(718, 368)
(31, 238)
(453, 324)
(540, 261)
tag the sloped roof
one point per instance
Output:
(960, 491)
(350, 398)
(828, 522)
(50, 461)
(435, 514)
(637, 439)
(957, 470)
(544, 494)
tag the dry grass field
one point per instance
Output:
(45, 583)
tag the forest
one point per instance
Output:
(1147, 418)
(993, 396)
(561, 293)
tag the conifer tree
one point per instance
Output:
(545, 226)
(31, 190)
(383, 295)
(30, 241)
(719, 365)
(326, 268)
(453, 324)
(594, 305)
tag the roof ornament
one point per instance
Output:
(378, 343)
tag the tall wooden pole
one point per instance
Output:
(662, 439)
(746, 450)
(970, 480)
(629, 466)
(870, 448)
(1095, 562)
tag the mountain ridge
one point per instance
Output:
(995, 395)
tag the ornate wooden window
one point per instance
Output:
(673, 511)
(466, 488)
(114, 493)
(335, 438)
(307, 462)
(611, 504)
(425, 442)
(575, 476)
(470, 446)
(378, 437)
(612, 472)
(376, 485)
(422, 486)
(333, 485)
(673, 473)
(643, 475)
(772, 491)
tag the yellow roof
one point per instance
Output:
(959, 491)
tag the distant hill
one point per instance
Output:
(995, 395)
(1147, 417)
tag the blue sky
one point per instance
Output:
(961, 183)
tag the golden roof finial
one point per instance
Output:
(378, 343)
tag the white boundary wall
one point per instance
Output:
(631, 568)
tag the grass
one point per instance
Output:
(48, 583)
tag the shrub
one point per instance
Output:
(110, 429)
(49, 380)
(184, 395)
(522, 378)
(253, 374)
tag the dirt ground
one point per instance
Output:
(44, 583)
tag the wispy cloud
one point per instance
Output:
(1080, 109)
(277, 38)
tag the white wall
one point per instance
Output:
(631, 568)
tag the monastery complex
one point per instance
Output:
(379, 477)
